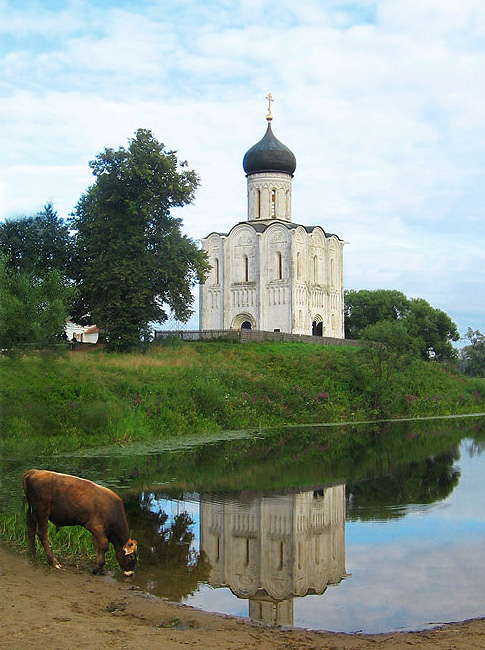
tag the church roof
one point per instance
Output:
(269, 155)
(261, 226)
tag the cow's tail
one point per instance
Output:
(31, 518)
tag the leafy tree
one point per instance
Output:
(365, 307)
(472, 357)
(431, 329)
(37, 245)
(33, 311)
(132, 260)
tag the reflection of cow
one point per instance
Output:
(71, 501)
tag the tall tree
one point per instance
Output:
(133, 262)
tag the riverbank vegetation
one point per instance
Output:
(54, 404)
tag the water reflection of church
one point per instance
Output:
(271, 549)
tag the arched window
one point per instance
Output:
(257, 204)
(332, 269)
(246, 325)
(216, 271)
(279, 266)
(246, 268)
(315, 269)
(273, 203)
(298, 266)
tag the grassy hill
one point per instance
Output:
(91, 398)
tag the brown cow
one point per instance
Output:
(72, 501)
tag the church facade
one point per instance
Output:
(269, 273)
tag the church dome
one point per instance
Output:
(269, 155)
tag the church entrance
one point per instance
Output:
(317, 328)
(243, 321)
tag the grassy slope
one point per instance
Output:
(54, 404)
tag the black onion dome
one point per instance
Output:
(269, 155)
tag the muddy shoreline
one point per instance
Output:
(42, 608)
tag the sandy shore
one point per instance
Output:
(41, 608)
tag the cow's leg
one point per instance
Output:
(101, 545)
(42, 527)
(31, 528)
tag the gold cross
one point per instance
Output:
(270, 99)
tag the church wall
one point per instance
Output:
(282, 279)
(242, 278)
(212, 294)
(276, 278)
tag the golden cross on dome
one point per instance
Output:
(270, 99)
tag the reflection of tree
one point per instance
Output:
(385, 497)
(167, 558)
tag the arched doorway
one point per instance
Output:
(243, 321)
(317, 328)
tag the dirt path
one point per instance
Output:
(41, 608)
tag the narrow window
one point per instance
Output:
(332, 279)
(298, 266)
(315, 269)
(246, 268)
(247, 551)
(273, 203)
(216, 270)
(280, 567)
(279, 266)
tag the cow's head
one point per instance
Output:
(129, 557)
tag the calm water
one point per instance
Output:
(385, 532)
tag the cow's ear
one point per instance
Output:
(130, 546)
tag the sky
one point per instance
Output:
(381, 101)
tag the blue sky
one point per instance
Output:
(382, 102)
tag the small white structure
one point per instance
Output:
(81, 334)
(269, 273)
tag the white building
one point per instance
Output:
(269, 273)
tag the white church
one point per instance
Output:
(269, 273)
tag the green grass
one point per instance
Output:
(91, 399)
(72, 545)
